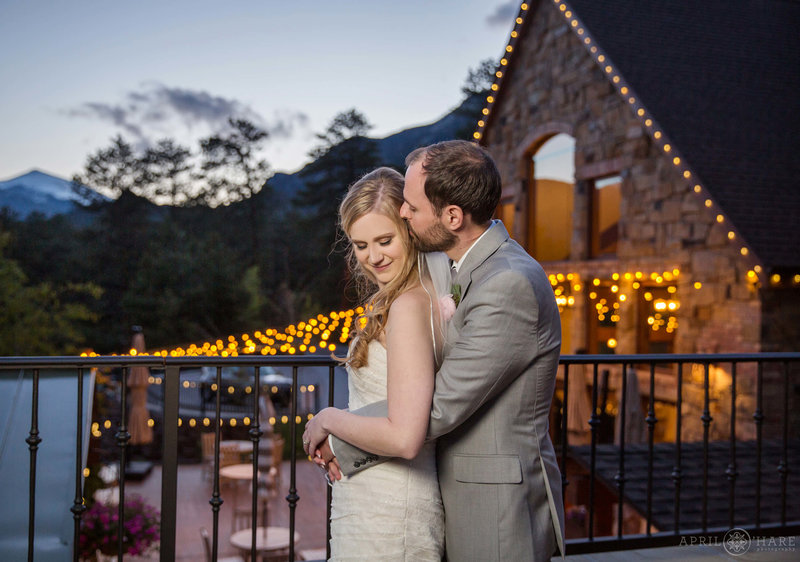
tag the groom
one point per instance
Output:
(498, 472)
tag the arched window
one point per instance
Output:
(550, 199)
(604, 216)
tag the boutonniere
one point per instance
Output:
(455, 290)
(448, 303)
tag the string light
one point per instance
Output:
(616, 79)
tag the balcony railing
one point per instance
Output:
(719, 381)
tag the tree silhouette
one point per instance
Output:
(343, 156)
(110, 172)
(476, 88)
(234, 172)
(168, 173)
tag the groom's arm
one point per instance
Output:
(507, 326)
(352, 459)
(511, 320)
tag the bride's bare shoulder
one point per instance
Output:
(409, 315)
(413, 301)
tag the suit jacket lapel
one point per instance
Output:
(487, 246)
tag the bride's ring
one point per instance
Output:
(306, 441)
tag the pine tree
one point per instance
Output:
(342, 157)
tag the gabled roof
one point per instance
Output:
(719, 80)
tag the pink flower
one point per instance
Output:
(447, 307)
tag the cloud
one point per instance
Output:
(503, 14)
(158, 110)
(114, 114)
(196, 106)
(286, 123)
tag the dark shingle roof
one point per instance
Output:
(691, 506)
(722, 79)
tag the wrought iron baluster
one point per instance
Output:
(33, 441)
(329, 489)
(783, 466)
(293, 497)
(758, 417)
(730, 472)
(706, 418)
(651, 427)
(123, 437)
(216, 501)
(255, 435)
(78, 505)
(169, 466)
(677, 475)
(619, 478)
(564, 439)
(594, 422)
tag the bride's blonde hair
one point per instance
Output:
(380, 191)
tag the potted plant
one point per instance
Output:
(100, 524)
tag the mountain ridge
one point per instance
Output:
(49, 195)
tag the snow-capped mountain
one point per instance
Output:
(37, 192)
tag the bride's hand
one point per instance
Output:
(315, 432)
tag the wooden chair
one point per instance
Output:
(269, 485)
(229, 454)
(278, 444)
(207, 549)
(266, 491)
(207, 446)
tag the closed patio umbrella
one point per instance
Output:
(579, 407)
(635, 429)
(141, 432)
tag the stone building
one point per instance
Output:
(649, 160)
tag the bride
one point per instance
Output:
(394, 510)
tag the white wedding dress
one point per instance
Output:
(391, 511)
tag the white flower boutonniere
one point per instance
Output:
(448, 303)
(447, 307)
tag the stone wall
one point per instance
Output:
(666, 222)
(553, 87)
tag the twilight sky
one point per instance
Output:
(75, 73)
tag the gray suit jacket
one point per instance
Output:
(498, 472)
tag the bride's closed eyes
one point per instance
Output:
(363, 245)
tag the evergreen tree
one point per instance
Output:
(168, 173)
(476, 88)
(41, 319)
(234, 172)
(110, 172)
(342, 157)
(186, 288)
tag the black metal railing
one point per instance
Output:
(170, 412)
(673, 484)
(771, 369)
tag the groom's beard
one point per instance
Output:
(434, 239)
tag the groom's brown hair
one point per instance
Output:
(460, 173)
